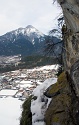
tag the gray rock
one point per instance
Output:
(55, 123)
(74, 72)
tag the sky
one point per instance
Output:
(41, 14)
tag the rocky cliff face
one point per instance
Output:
(71, 14)
(63, 109)
(70, 31)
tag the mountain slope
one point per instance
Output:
(24, 41)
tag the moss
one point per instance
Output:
(60, 106)
(55, 118)
(60, 118)
(64, 99)
(62, 78)
(58, 87)
(26, 117)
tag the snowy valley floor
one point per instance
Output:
(10, 111)
(10, 103)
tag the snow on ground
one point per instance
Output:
(25, 85)
(22, 76)
(48, 67)
(39, 83)
(39, 106)
(10, 111)
(25, 82)
(7, 92)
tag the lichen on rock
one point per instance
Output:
(60, 87)
(26, 116)
(70, 34)
(59, 110)
(64, 107)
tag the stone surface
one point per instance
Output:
(75, 75)
(64, 107)
(71, 13)
(58, 112)
(70, 31)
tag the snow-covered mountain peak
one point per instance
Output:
(29, 26)
(24, 41)
(28, 31)
(32, 30)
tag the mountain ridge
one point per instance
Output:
(25, 41)
(27, 31)
(29, 38)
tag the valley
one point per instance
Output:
(21, 83)
(16, 86)
(24, 66)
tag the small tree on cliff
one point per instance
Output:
(50, 44)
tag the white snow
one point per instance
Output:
(22, 31)
(39, 106)
(48, 67)
(38, 82)
(28, 31)
(10, 111)
(17, 81)
(31, 29)
(33, 42)
(25, 85)
(7, 92)
(22, 76)
(25, 82)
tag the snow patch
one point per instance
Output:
(25, 82)
(28, 31)
(39, 106)
(10, 111)
(48, 67)
(7, 92)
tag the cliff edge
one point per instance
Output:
(70, 34)
(63, 109)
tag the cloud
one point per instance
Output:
(20, 13)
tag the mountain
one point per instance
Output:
(24, 41)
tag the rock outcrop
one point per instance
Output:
(63, 109)
(70, 32)
(26, 116)
(74, 72)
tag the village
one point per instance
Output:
(9, 60)
(21, 83)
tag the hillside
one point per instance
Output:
(13, 62)
(26, 42)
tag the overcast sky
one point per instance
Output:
(19, 13)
